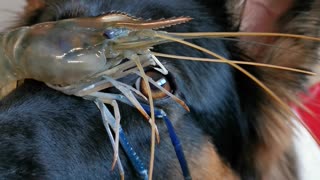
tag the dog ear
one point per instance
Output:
(287, 16)
(295, 17)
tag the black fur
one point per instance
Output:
(48, 135)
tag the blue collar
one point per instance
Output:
(138, 165)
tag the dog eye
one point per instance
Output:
(160, 79)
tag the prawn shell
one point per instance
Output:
(59, 54)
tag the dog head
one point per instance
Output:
(234, 128)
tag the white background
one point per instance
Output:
(8, 11)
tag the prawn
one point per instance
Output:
(82, 56)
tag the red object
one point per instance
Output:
(311, 116)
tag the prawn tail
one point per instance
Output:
(11, 69)
(7, 74)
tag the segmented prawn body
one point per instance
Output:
(82, 56)
(70, 51)
(85, 55)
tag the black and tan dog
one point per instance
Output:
(234, 130)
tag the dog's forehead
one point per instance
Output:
(142, 8)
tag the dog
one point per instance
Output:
(234, 130)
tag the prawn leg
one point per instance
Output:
(109, 120)
(105, 82)
(115, 124)
(160, 114)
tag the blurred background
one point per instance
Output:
(8, 11)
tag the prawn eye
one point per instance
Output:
(160, 79)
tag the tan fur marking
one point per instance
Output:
(207, 165)
(33, 5)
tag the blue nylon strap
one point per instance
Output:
(133, 157)
(174, 140)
